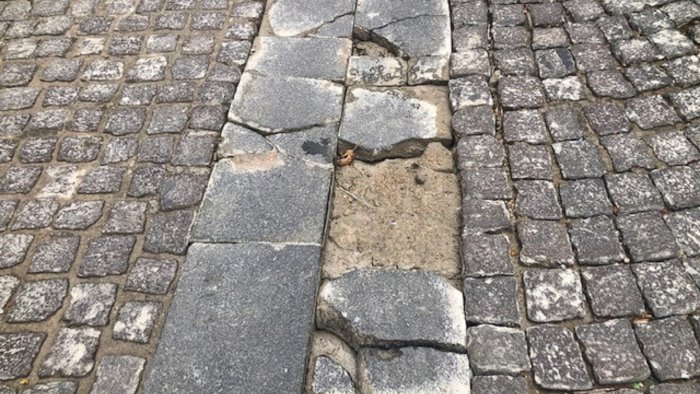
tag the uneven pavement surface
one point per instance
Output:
(349, 196)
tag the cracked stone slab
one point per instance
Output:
(371, 308)
(294, 17)
(270, 198)
(376, 71)
(418, 116)
(260, 351)
(414, 370)
(272, 104)
(316, 58)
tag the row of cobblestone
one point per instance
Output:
(578, 154)
(110, 111)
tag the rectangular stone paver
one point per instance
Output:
(240, 321)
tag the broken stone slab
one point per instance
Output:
(414, 370)
(294, 17)
(316, 57)
(339, 27)
(238, 140)
(376, 71)
(393, 307)
(273, 104)
(374, 14)
(240, 321)
(429, 69)
(330, 377)
(382, 123)
(269, 197)
(317, 144)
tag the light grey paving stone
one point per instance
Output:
(553, 295)
(486, 183)
(224, 349)
(78, 215)
(275, 104)
(35, 214)
(596, 241)
(479, 151)
(646, 237)
(578, 159)
(646, 77)
(486, 255)
(135, 321)
(8, 284)
(423, 35)
(673, 148)
(667, 288)
(497, 350)
(128, 217)
(607, 118)
(688, 102)
(651, 111)
(238, 140)
(13, 248)
(118, 374)
(286, 193)
(316, 57)
(537, 200)
(414, 369)
(60, 387)
(369, 308)
(376, 71)
(670, 346)
(633, 192)
(491, 301)
(72, 354)
(429, 69)
(685, 226)
(685, 70)
(568, 88)
(17, 353)
(679, 186)
(675, 388)
(544, 243)
(90, 303)
(107, 255)
(496, 384)
(557, 362)
(420, 116)
(474, 61)
(612, 349)
(294, 17)
(341, 27)
(38, 300)
(613, 291)
(318, 144)
(330, 377)
(151, 276)
(672, 43)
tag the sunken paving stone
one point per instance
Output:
(72, 354)
(491, 301)
(545, 243)
(612, 291)
(553, 295)
(224, 348)
(671, 348)
(249, 199)
(613, 350)
(667, 288)
(366, 308)
(38, 300)
(18, 353)
(419, 117)
(497, 350)
(414, 369)
(557, 362)
(596, 241)
(330, 377)
(496, 384)
(118, 374)
(90, 303)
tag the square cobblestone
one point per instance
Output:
(135, 321)
(545, 243)
(679, 186)
(671, 348)
(486, 255)
(72, 354)
(90, 304)
(18, 353)
(628, 152)
(647, 237)
(497, 350)
(486, 183)
(537, 200)
(612, 291)
(607, 118)
(107, 255)
(38, 300)
(650, 112)
(647, 77)
(151, 276)
(479, 216)
(673, 148)
(565, 124)
(685, 225)
(557, 362)
(521, 92)
(578, 159)
(553, 295)
(529, 161)
(596, 241)
(520, 61)
(633, 192)
(524, 126)
(667, 288)
(491, 301)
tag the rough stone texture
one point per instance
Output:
(38, 300)
(72, 354)
(414, 369)
(647, 237)
(368, 308)
(90, 303)
(118, 374)
(553, 295)
(293, 17)
(557, 362)
(496, 384)
(329, 377)
(612, 291)
(250, 346)
(18, 353)
(667, 288)
(670, 346)
(545, 243)
(491, 300)
(135, 321)
(497, 350)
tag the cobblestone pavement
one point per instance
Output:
(562, 135)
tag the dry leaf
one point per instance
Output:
(24, 381)
(346, 158)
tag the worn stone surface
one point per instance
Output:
(293, 17)
(556, 358)
(90, 303)
(118, 374)
(667, 288)
(670, 346)
(72, 353)
(329, 377)
(553, 295)
(545, 243)
(497, 350)
(491, 300)
(38, 300)
(18, 353)
(363, 308)
(496, 384)
(612, 291)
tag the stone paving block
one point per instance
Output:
(673, 148)
(118, 374)
(497, 350)
(317, 58)
(688, 102)
(544, 243)
(650, 112)
(58, 387)
(229, 349)
(667, 288)
(72, 354)
(685, 71)
(529, 161)
(583, 10)
(646, 237)
(565, 124)
(569, 88)
(553, 295)
(37, 300)
(78, 215)
(429, 69)
(509, 36)
(107, 255)
(237, 140)
(376, 71)
(232, 200)
(520, 61)
(585, 33)
(179, 191)
(318, 144)
(362, 307)
(672, 43)
(578, 159)
(613, 350)
(555, 63)
(470, 37)
(647, 77)
(585, 198)
(103, 179)
(293, 17)
(19, 179)
(670, 346)
(537, 200)
(151, 276)
(486, 255)
(90, 303)
(675, 388)
(135, 321)
(305, 102)
(168, 232)
(421, 118)
(491, 301)
(486, 183)
(612, 291)
(632, 193)
(593, 57)
(508, 15)
(607, 118)
(524, 126)
(547, 38)
(18, 353)
(484, 216)
(636, 50)
(474, 121)
(627, 152)
(119, 150)
(610, 83)
(13, 248)
(474, 61)
(8, 284)
(329, 377)
(413, 369)
(471, 13)
(685, 225)
(479, 151)
(546, 14)
(557, 362)
(424, 35)
(679, 186)
(145, 181)
(596, 241)
(521, 92)
(469, 91)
